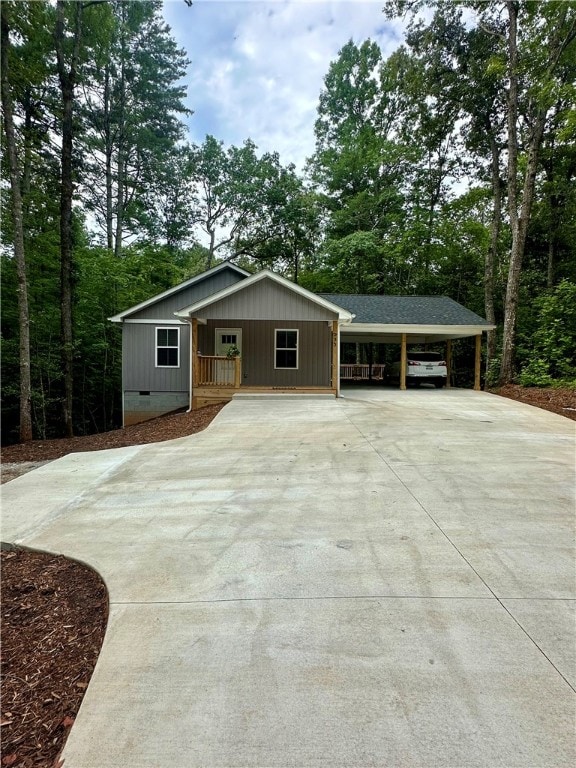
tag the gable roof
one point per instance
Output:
(406, 310)
(180, 287)
(266, 274)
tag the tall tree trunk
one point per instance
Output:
(120, 185)
(492, 252)
(210, 254)
(512, 288)
(108, 149)
(553, 205)
(67, 79)
(119, 204)
(520, 217)
(19, 252)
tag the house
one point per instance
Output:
(227, 330)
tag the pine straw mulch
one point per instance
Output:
(54, 610)
(54, 614)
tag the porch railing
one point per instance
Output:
(361, 372)
(217, 371)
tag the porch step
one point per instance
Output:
(283, 396)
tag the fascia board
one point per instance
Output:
(414, 328)
(119, 318)
(343, 314)
(160, 321)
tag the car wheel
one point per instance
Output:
(439, 384)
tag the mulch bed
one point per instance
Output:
(54, 615)
(153, 431)
(561, 400)
(18, 459)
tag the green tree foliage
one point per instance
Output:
(550, 353)
(133, 103)
(56, 74)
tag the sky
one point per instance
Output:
(257, 66)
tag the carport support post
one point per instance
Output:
(448, 362)
(477, 361)
(403, 358)
(335, 358)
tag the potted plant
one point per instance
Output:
(233, 351)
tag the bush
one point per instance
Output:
(535, 374)
(553, 354)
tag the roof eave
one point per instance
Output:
(442, 328)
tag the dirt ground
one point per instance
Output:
(54, 611)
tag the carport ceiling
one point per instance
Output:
(424, 319)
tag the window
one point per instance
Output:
(167, 347)
(286, 349)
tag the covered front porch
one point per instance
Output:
(217, 378)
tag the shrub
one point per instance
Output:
(553, 354)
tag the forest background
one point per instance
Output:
(446, 168)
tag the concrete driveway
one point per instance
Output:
(383, 580)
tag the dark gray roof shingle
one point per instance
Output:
(405, 310)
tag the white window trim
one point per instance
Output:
(276, 348)
(157, 346)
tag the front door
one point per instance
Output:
(226, 338)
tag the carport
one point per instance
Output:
(410, 320)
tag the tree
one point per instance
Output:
(133, 102)
(532, 44)
(18, 230)
(551, 354)
(68, 56)
(455, 61)
(232, 191)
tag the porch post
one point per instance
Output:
(237, 371)
(403, 359)
(448, 362)
(477, 360)
(335, 357)
(194, 352)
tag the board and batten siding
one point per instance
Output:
(258, 351)
(139, 370)
(165, 308)
(266, 300)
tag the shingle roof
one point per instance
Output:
(405, 310)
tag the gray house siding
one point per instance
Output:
(150, 391)
(138, 359)
(266, 300)
(165, 308)
(258, 351)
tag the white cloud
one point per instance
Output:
(257, 68)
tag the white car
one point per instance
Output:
(423, 367)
